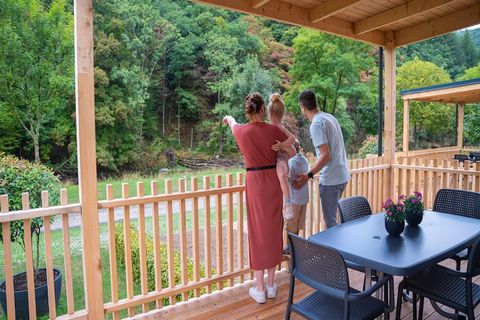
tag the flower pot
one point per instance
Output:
(413, 218)
(41, 294)
(394, 228)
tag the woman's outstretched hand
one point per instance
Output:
(229, 121)
(225, 120)
(277, 146)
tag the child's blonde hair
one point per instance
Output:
(276, 105)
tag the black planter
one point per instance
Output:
(394, 228)
(413, 218)
(41, 297)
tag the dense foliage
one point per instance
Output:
(19, 176)
(149, 250)
(167, 71)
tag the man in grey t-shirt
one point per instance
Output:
(331, 161)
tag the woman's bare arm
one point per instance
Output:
(286, 145)
(230, 121)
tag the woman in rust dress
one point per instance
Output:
(263, 193)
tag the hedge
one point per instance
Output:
(135, 249)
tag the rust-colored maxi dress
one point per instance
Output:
(263, 193)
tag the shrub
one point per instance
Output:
(135, 249)
(18, 176)
(369, 146)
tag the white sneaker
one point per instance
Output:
(271, 291)
(259, 297)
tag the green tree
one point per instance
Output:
(431, 122)
(472, 112)
(331, 66)
(36, 63)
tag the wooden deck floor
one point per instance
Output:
(234, 303)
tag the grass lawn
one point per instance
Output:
(132, 179)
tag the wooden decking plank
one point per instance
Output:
(234, 303)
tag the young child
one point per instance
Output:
(298, 197)
(276, 110)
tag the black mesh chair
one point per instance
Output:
(350, 209)
(324, 270)
(461, 157)
(474, 156)
(449, 287)
(459, 202)
(353, 208)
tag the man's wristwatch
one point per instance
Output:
(310, 175)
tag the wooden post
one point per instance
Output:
(390, 104)
(460, 126)
(406, 126)
(87, 172)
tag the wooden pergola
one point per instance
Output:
(386, 23)
(459, 93)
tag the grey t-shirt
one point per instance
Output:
(326, 129)
(298, 165)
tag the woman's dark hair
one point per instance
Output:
(253, 104)
(307, 100)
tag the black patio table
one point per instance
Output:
(366, 242)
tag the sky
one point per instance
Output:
(473, 27)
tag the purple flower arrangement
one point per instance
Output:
(414, 203)
(395, 211)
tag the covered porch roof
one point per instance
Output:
(460, 92)
(373, 21)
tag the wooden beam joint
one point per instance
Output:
(330, 8)
(259, 3)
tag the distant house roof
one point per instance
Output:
(467, 91)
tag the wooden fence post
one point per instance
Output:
(87, 173)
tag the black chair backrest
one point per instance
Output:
(475, 156)
(319, 267)
(473, 266)
(461, 157)
(353, 208)
(459, 202)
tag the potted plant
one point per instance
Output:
(414, 209)
(394, 216)
(17, 176)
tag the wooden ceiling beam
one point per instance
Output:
(399, 13)
(453, 21)
(329, 8)
(259, 3)
(299, 16)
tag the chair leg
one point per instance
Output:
(398, 313)
(420, 311)
(287, 314)
(458, 263)
(414, 302)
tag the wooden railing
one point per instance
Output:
(15, 262)
(428, 176)
(199, 226)
(445, 153)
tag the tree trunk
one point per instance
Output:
(163, 90)
(36, 146)
(191, 138)
(178, 125)
(222, 143)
